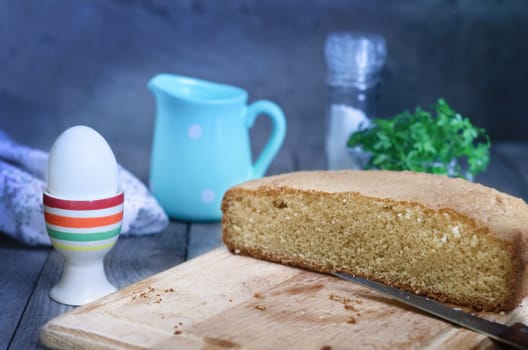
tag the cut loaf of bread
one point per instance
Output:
(448, 239)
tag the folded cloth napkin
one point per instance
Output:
(23, 179)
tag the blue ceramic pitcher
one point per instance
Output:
(201, 144)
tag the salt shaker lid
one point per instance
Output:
(354, 58)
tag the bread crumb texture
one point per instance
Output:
(448, 239)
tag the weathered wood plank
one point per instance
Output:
(504, 172)
(40, 307)
(283, 162)
(20, 268)
(131, 260)
(202, 238)
(310, 157)
(516, 156)
(136, 258)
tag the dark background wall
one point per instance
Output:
(67, 62)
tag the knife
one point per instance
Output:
(515, 335)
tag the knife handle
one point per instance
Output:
(515, 335)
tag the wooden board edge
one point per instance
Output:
(59, 337)
(54, 336)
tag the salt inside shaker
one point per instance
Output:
(354, 62)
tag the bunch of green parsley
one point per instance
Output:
(445, 143)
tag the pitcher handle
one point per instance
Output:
(278, 132)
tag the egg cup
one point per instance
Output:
(83, 231)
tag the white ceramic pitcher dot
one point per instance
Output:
(208, 196)
(194, 131)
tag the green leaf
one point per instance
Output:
(436, 142)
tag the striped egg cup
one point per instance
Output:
(83, 231)
(82, 226)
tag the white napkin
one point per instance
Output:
(23, 178)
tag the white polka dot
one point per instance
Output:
(194, 131)
(208, 196)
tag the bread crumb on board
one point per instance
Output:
(347, 305)
(151, 293)
(351, 320)
(339, 298)
(260, 307)
(176, 330)
(350, 307)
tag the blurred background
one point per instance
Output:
(68, 62)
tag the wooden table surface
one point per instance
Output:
(28, 273)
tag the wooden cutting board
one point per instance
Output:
(224, 301)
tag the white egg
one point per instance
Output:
(82, 166)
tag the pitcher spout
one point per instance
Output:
(195, 90)
(155, 84)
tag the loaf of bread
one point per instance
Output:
(447, 239)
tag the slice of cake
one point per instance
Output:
(444, 238)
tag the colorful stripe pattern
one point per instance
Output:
(75, 225)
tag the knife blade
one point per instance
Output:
(515, 335)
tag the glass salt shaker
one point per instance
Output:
(354, 62)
